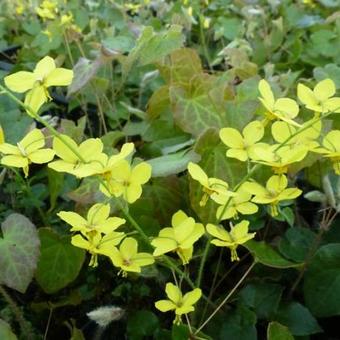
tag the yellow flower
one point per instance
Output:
(237, 235)
(28, 150)
(283, 108)
(98, 245)
(241, 147)
(109, 163)
(275, 191)
(37, 82)
(279, 158)
(180, 238)
(331, 149)
(240, 203)
(90, 150)
(128, 259)
(282, 132)
(47, 9)
(214, 188)
(97, 221)
(127, 181)
(177, 302)
(320, 99)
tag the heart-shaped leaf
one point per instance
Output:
(19, 251)
(60, 261)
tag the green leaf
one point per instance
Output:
(239, 325)
(200, 104)
(298, 319)
(265, 254)
(215, 163)
(276, 331)
(331, 71)
(19, 252)
(180, 332)
(322, 282)
(151, 47)
(262, 297)
(181, 66)
(6, 331)
(296, 243)
(165, 196)
(172, 164)
(142, 324)
(59, 263)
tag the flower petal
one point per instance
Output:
(173, 293)
(41, 156)
(20, 82)
(59, 77)
(324, 89)
(232, 138)
(44, 67)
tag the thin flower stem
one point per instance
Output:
(226, 298)
(203, 260)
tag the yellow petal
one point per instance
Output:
(332, 141)
(306, 95)
(128, 248)
(41, 156)
(218, 232)
(286, 107)
(14, 160)
(173, 293)
(141, 173)
(198, 174)
(132, 193)
(333, 104)
(44, 67)
(277, 183)
(35, 98)
(98, 213)
(266, 93)
(59, 77)
(165, 305)
(143, 259)
(20, 82)
(80, 242)
(75, 220)
(112, 223)
(178, 218)
(163, 245)
(232, 138)
(281, 131)
(324, 90)
(61, 166)
(239, 154)
(91, 148)
(9, 149)
(253, 132)
(63, 151)
(247, 208)
(240, 231)
(192, 297)
(289, 194)
(33, 141)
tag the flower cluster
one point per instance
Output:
(277, 142)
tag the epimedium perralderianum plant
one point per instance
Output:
(277, 142)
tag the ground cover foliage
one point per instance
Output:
(169, 169)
